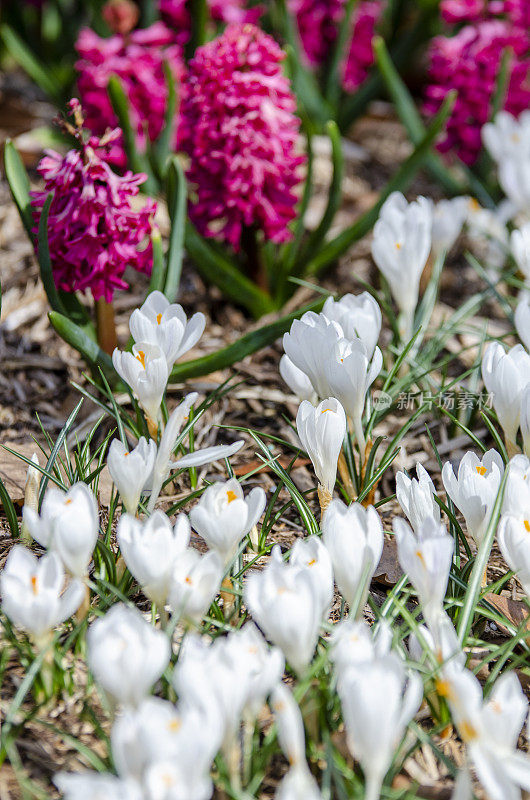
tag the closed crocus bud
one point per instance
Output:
(377, 705)
(321, 431)
(520, 247)
(223, 516)
(68, 524)
(311, 554)
(505, 376)
(474, 489)
(354, 642)
(264, 666)
(296, 380)
(522, 319)
(400, 248)
(145, 371)
(131, 469)
(416, 497)
(283, 601)
(195, 581)
(447, 223)
(150, 549)
(308, 345)
(350, 373)
(353, 536)
(359, 316)
(426, 556)
(34, 595)
(513, 535)
(165, 324)
(126, 654)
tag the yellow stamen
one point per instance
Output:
(474, 204)
(443, 688)
(141, 358)
(398, 245)
(174, 725)
(231, 496)
(34, 584)
(158, 319)
(419, 555)
(310, 563)
(527, 525)
(188, 580)
(467, 731)
(67, 502)
(481, 470)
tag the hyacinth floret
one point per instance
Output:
(240, 129)
(94, 233)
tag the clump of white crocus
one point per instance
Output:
(416, 497)
(223, 516)
(33, 592)
(359, 316)
(68, 524)
(308, 345)
(425, 555)
(311, 555)
(298, 784)
(296, 380)
(400, 248)
(131, 469)
(284, 602)
(490, 730)
(377, 704)
(126, 654)
(321, 431)
(448, 220)
(150, 549)
(166, 325)
(505, 376)
(522, 318)
(474, 489)
(145, 371)
(353, 536)
(350, 373)
(520, 247)
(195, 581)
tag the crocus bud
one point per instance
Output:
(475, 489)
(224, 516)
(131, 469)
(68, 524)
(126, 654)
(354, 642)
(353, 536)
(416, 497)
(310, 554)
(505, 376)
(120, 15)
(145, 371)
(520, 247)
(290, 725)
(522, 319)
(34, 595)
(448, 220)
(195, 581)
(359, 316)
(514, 544)
(165, 324)
(321, 431)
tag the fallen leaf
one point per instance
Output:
(515, 611)
(388, 570)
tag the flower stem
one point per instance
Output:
(106, 326)
(255, 264)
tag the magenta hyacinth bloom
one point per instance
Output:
(137, 59)
(470, 62)
(365, 17)
(240, 129)
(455, 11)
(176, 15)
(93, 231)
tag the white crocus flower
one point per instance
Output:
(516, 498)
(425, 555)
(150, 549)
(195, 581)
(354, 642)
(350, 373)
(490, 729)
(223, 516)
(321, 431)
(34, 595)
(505, 376)
(513, 535)
(131, 469)
(514, 178)
(522, 318)
(487, 227)
(296, 380)
(96, 786)
(68, 524)
(475, 489)
(308, 345)
(400, 248)
(165, 324)
(416, 497)
(311, 555)
(520, 247)
(507, 136)
(377, 704)
(525, 419)
(447, 223)
(298, 784)
(359, 316)
(145, 371)
(126, 654)
(353, 536)
(284, 602)
(441, 640)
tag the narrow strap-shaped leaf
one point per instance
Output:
(199, 20)
(10, 512)
(30, 63)
(333, 78)
(158, 273)
(247, 344)
(176, 205)
(163, 145)
(216, 268)
(337, 246)
(56, 448)
(18, 181)
(45, 263)
(80, 341)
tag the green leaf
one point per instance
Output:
(31, 64)
(163, 145)
(56, 448)
(250, 343)
(219, 270)
(159, 264)
(336, 247)
(18, 181)
(176, 204)
(45, 263)
(333, 78)
(501, 86)
(80, 341)
(10, 511)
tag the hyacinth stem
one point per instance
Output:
(106, 326)
(255, 264)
